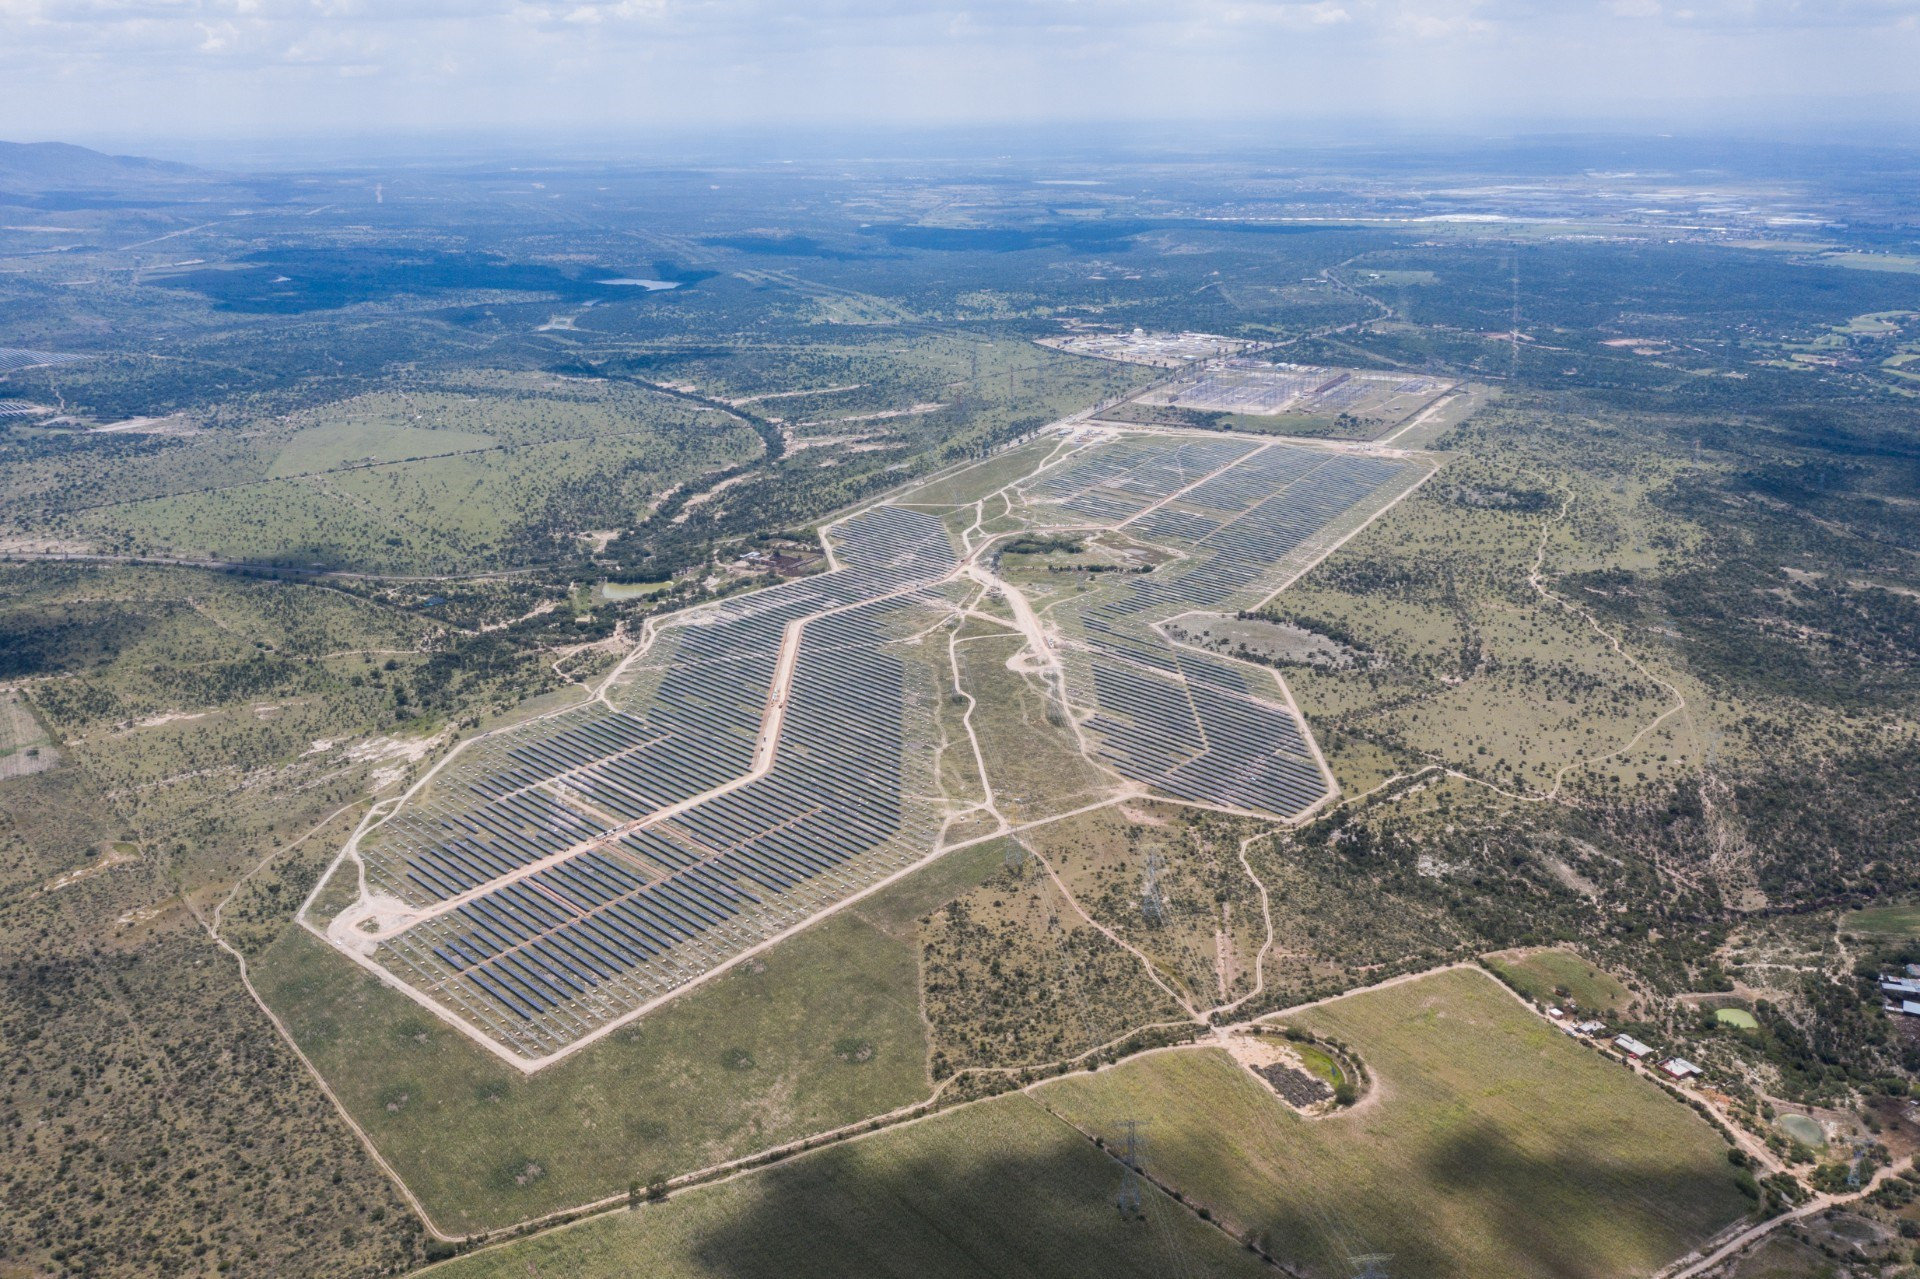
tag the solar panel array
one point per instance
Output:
(570, 870)
(1116, 481)
(1188, 725)
(12, 359)
(1255, 386)
(580, 866)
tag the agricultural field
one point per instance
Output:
(1001, 1187)
(818, 1032)
(25, 746)
(1896, 922)
(1562, 977)
(1487, 1143)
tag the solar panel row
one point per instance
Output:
(568, 913)
(1116, 481)
(1254, 386)
(577, 867)
(13, 359)
(1188, 725)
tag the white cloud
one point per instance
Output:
(218, 37)
(219, 64)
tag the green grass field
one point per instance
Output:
(1544, 974)
(1896, 921)
(24, 744)
(1038, 770)
(1000, 1188)
(1871, 261)
(753, 1059)
(362, 439)
(1488, 1144)
(971, 483)
(1320, 1062)
(432, 480)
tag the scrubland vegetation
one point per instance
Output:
(1622, 698)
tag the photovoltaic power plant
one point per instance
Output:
(1245, 516)
(585, 864)
(13, 359)
(1240, 385)
(764, 758)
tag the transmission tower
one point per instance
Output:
(1372, 1265)
(1129, 1200)
(1153, 899)
(1016, 856)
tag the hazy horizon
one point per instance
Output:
(1333, 145)
(129, 73)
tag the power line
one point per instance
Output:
(1514, 335)
(1129, 1198)
(1135, 1200)
(1153, 897)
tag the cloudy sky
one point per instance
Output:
(101, 70)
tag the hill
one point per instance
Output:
(41, 166)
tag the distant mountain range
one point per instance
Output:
(60, 164)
